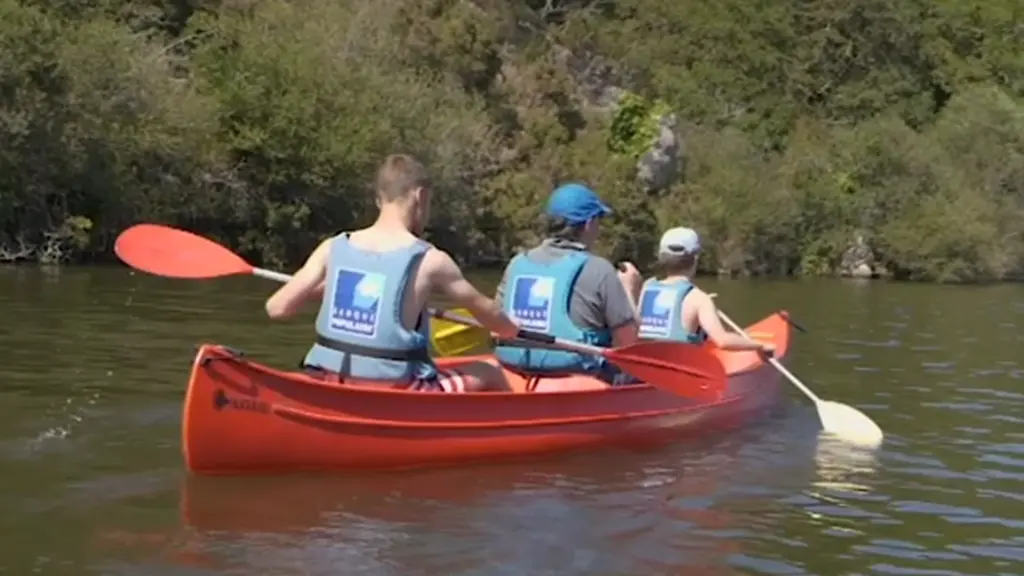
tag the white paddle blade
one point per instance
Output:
(849, 424)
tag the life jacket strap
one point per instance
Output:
(413, 355)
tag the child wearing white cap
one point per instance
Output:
(673, 308)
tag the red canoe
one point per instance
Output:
(242, 417)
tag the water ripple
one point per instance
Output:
(90, 448)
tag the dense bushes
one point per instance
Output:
(259, 122)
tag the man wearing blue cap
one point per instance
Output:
(562, 289)
(672, 308)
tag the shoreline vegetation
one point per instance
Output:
(883, 137)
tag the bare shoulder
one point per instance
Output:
(438, 264)
(325, 244)
(699, 298)
(321, 253)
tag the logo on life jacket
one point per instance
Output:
(531, 302)
(657, 310)
(355, 304)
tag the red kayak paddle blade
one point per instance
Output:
(684, 369)
(174, 253)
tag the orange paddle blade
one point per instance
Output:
(166, 251)
(683, 369)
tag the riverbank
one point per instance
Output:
(796, 143)
(491, 273)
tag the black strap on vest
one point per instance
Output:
(414, 355)
(521, 343)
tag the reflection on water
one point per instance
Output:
(609, 513)
(839, 464)
(94, 362)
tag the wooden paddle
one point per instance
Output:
(689, 371)
(841, 420)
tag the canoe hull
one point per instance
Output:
(241, 417)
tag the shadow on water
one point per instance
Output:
(94, 360)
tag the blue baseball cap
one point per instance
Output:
(679, 241)
(576, 204)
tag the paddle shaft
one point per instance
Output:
(271, 275)
(778, 365)
(523, 334)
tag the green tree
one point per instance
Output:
(808, 125)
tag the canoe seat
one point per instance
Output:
(533, 384)
(520, 381)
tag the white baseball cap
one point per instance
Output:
(679, 241)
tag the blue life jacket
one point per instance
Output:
(661, 309)
(360, 334)
(537, 297)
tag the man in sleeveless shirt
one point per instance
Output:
(562, 289)
(673, 308)
(375, 284)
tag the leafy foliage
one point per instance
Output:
(807, 125)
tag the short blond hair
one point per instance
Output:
(399, 175)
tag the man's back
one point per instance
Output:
(379, 239)
(373, 285)
(598, 300)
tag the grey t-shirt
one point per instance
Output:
(599, 302)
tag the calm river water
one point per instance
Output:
(93, 363)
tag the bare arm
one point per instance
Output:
(307, 283)
(447, 279)
(632, 282)
(499, 292)
(620, 308)
(707, 316)
(625, 335)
